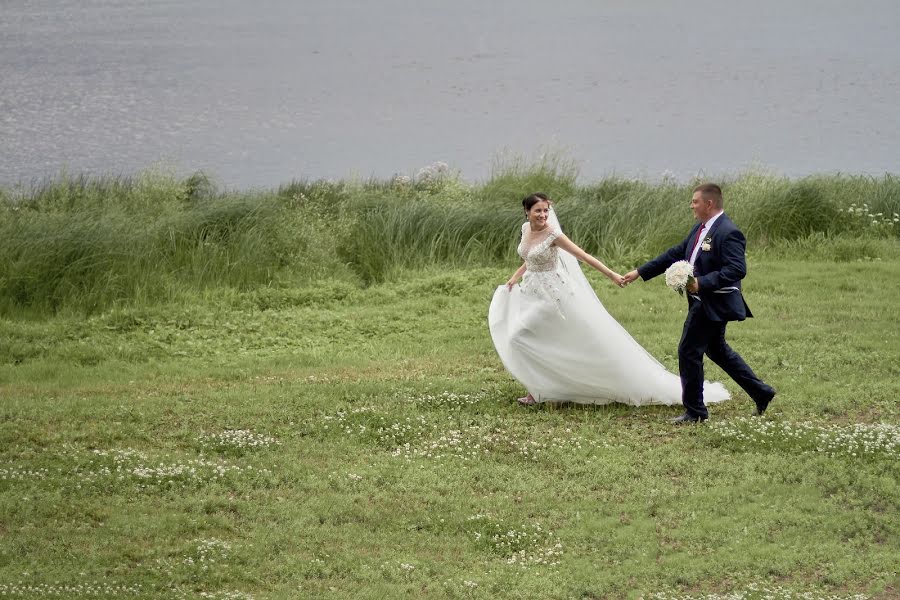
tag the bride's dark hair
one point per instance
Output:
(533, 199)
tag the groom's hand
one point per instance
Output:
(629, 277)
(692, 287)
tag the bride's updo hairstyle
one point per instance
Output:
(533, 199)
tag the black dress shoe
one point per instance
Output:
(763, 403)
(686, 418)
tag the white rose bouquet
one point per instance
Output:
(679, 275)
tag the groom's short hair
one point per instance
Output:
(710, 191)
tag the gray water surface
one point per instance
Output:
(258, 94)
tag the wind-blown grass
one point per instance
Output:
(87, 244)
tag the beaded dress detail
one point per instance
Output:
(542, 276)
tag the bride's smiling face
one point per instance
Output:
(538, 215)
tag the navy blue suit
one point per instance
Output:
(718, 271)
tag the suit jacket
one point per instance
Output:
(718, 270)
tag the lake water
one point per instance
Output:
(258, 94)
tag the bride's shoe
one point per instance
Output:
(526, 400)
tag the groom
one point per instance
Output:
(715, 247)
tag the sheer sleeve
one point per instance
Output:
(555, 232)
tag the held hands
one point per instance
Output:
(629, 277)
(617, 279)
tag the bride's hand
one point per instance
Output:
(512, 281)
(617, 279)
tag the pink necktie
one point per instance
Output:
(697, 241)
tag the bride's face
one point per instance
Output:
(538, 215)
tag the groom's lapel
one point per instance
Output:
(708, 235)
(715, 226)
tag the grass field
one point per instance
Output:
(334, 441)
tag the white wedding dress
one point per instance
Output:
(554, 336)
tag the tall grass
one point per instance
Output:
(86, 244)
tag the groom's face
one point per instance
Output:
(701, 207)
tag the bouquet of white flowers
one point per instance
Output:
(679, 275)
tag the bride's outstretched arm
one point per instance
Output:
(569, 246)
(516, 276)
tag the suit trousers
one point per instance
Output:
(700, 336)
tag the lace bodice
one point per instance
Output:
(537, 249)
(543, 277)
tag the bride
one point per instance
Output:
(554, 335)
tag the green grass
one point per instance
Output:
(87, 245)
(292, 393)
(352, 441)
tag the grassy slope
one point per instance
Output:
(345, 378)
